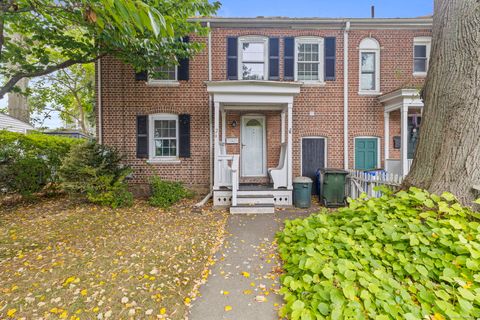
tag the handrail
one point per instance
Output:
(235, 178)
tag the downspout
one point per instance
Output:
(210, 121)
(99, 100)
(345, 95)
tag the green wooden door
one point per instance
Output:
(366, 153)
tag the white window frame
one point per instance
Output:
(164, 82)
(422, 41)
(257, 39)
(321, 57)
(151, 134)
(369, 45)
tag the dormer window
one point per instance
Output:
(253, 57)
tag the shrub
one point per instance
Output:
(96, 171)
(409, 255)
(29, 163)
(166, 193)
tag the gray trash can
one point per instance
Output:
(302, 192)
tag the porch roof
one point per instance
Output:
(401, 97)
(246, 92)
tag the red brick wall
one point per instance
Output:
(318, 109)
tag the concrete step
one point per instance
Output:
(253, 209)
(255, 199)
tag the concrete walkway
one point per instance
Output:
(245, 279)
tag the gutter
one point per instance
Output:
(99, 99)
(210, 122)
(345, 96)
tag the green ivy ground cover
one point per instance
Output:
(410, 255)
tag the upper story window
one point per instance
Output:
(421, 54)
(309, 58)
(164, 75)
(163, 136)
(253, 57)
(369, 66)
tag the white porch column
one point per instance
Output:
(404, 138)
(386, 118)
(224, 126)
(216, 144)
(282, 125)
(289, 146)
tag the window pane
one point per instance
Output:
(308, 52)
(368, 62)
(368, 81)
(308, 71)
(253, 71)
(165, 147)
(165, 73)
(420, 51)
(253, 51)
(165, 142)
(420, 65)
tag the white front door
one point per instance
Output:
(253, 146)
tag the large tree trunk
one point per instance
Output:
(18, 104)
(448, 153)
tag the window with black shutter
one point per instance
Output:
(184, 135)
(330, 49)
(289, 59)
(232, 58)
(142, 136)
(274, 59)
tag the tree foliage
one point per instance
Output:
(70, 92)
(144, 33)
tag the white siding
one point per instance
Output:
(14, 125)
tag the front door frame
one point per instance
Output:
(243, 120)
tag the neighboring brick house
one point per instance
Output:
(271, 93)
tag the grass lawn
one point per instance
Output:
(65, 260)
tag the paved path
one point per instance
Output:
(245, 277)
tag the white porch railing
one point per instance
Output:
(365, 181)
(235, 178)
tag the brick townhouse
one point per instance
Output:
(267, 100)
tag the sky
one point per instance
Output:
(326, 8)
(313, 8)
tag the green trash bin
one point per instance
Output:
(302, 192)
(332, 187)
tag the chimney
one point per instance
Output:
(372, 12)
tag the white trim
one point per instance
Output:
(151, 146)
(321, 60)
(345, 96)
(379, 141)
(254, 39)
(264, 142)
(325, 150)
(427, 42)
(369, 45)
(99, 99)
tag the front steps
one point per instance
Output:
(253, 203)
(256, 200)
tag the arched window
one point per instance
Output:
(369, 66)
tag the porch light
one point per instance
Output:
(234, 123)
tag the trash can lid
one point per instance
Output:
(302, 180)
(333, 170)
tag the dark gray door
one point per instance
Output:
(313, 157)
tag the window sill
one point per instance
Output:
(420, 74)
(161, 83)
(369, 93)
(313, 83)
(164, 161)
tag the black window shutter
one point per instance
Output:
(142, 136)
(274, 59)
(184, 65)
(141, 76)
(289, 59)
(330, 49)
(184, 135)
(232, 58)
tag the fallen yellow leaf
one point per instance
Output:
(225, 293)
(11, 312)
(246, 274)
(228, 308)
(163, 311)
(83, 292)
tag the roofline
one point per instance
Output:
(319, 23)
(9, 116)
